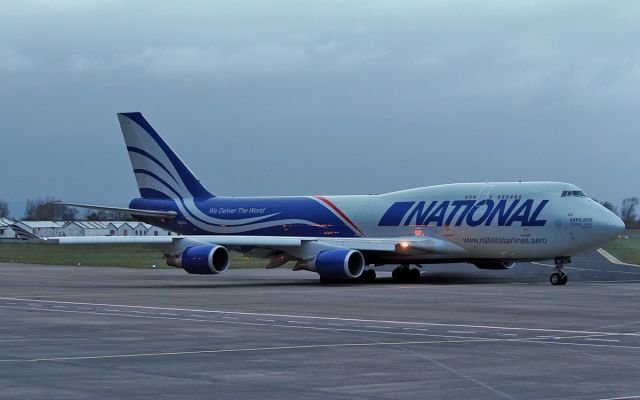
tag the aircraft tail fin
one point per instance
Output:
(159, 172)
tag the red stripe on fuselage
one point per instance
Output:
(340, 213)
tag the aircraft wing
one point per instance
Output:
(412, 245)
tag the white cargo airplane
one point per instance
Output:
(490, 225)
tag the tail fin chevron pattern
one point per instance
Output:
(159, 171)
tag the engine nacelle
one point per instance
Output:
(206, 259)
(495, 265)
(340, 264)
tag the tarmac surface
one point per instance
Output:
(82, 332)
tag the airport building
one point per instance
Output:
(45, 229)
(86, 228)
(42, 228)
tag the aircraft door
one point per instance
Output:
(484, 193)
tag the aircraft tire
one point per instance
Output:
(414, 275)
(558, 279)
(369, 276)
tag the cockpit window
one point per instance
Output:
(573, 193)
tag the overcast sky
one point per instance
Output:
(302, 97)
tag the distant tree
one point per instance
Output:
(609, 206)
(107, 216)
(4, 209)
(98, 216)
(46, 209)
(120, 216)
(628, 211)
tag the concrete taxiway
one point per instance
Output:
(82, 332)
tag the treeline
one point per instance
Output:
(47, 210)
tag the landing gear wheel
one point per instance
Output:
(414, 275)
(369, 276)
(397, 274)
(558, 277)
(405, 274)
(564, 278)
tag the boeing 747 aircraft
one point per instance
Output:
(489, 225)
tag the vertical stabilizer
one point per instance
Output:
(159, 171)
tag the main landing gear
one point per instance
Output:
(404, 273)
(368, 276)
(558, 277)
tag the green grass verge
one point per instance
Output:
(120, 255)
(626, 250)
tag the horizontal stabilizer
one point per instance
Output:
(132, 211)
(22, 234)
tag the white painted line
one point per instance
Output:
(602, 340)
(460, 332)
(264, 320)
(312, 317)
(299, 322)
(295, 326)
(416, 329)
(602, 270)
(622, 398)
(612, 259)
(212, 351)
(230, 317)
(507, 334)
(309, 346)
(610, 346)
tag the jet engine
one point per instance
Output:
(206, 259)
(339, 264)
(495, 265)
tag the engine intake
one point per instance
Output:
(203, 260)
(495, 265)
(340, 264)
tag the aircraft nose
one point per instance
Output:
(615, 225)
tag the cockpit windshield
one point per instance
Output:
(573, 193)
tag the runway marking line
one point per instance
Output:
(250, 349)
(613, 259)
(360, 320)
(276, 325)
(296, 347)
(453, 339)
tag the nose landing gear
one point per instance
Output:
(558, 277)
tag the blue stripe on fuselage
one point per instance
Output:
(323, 221)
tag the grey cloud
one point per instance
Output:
(358, 96)
(11, 60)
